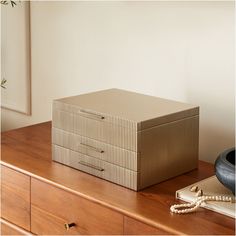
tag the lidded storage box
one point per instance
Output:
(130, 139)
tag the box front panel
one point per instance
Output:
(95, 128)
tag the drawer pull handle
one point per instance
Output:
(91, 166)
(92, 148)
(68, 226)
(93, 114)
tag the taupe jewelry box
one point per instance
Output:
(130, 139)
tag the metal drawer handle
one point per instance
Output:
(69, 225)
(93, 114)
(92, 148)
(91, 166)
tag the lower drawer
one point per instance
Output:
(10, 229)
(15, 197)
(97, 167)
(53, 207)
(45, 223)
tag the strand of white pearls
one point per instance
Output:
(191, 207)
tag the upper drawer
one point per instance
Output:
(52, 207)
(94, 148)
(107, 129)
(15, 197)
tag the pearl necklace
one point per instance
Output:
(191, 207)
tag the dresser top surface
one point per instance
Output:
(129, 105)
(29, 150)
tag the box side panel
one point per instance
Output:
(168, 150)
(169, 118)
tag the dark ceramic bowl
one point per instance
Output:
(225, 168)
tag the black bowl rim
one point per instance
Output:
(224, 154)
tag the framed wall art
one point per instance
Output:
(16, 57)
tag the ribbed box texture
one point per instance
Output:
(130, 139)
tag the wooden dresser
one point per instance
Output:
(39, 196)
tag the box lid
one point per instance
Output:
(147, 111)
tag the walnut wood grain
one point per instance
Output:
(29, 150)
(90, 218)
(45, 223)
(10, 229)
(15, 197)
(134, 227)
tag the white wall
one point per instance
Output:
(177, 50)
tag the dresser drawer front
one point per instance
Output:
(10, 229)
(59, 207)
(97, 167)
(91, 147)
(99, 129)
(134, 227)
(15, 197)
(45, 223)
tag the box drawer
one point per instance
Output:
(91, 147)
(97, 167)
(95, 128)
(53, 207)
(15, 197)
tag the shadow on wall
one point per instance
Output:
(217, 120)
(213, 140)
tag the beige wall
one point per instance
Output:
(178, 50)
